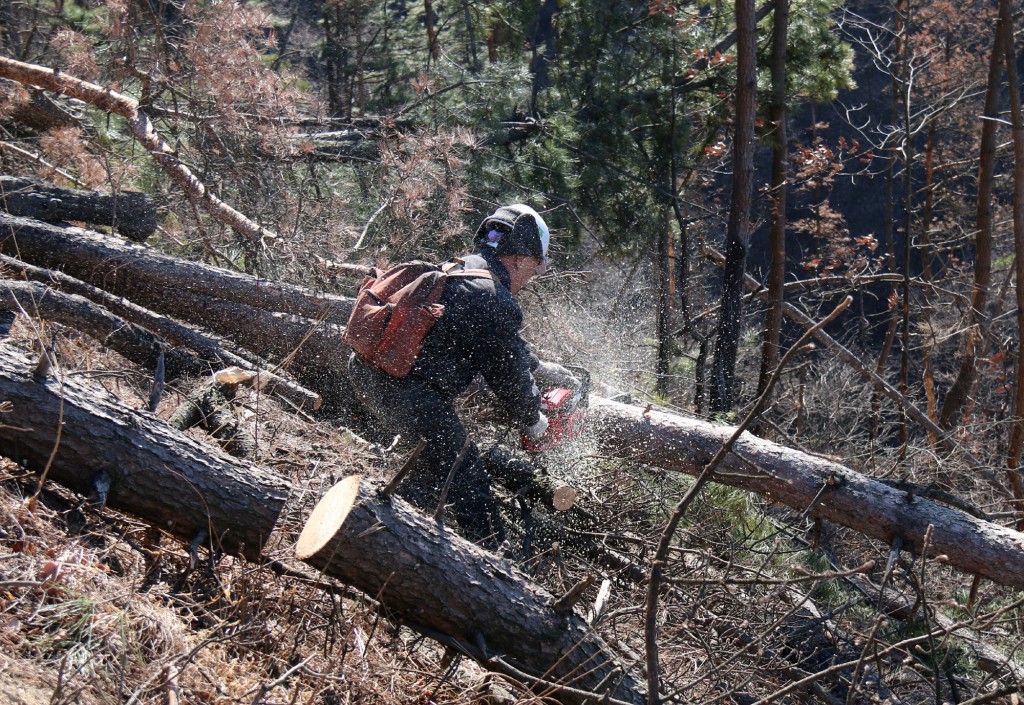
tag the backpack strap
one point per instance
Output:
(457, 268)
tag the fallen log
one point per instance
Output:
(479, 590)
(423, 574)
(133, 342)
(79, 436)
(281, 322)
(208, 348)
(142, 274)
(145, 132)
(131, 213)
(822, 489)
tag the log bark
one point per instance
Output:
(208, 348)
(131, 213)
(134, 343)
(140, 274)
(281, 322)
(77, 434)
(675, 443)
(41, 112)
(482, 594)
(823, 489)
(423, 574)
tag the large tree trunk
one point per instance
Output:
(799, 480)
(1013, 471)
(425, 575)
(467, 595)
(84, 439)
(139, 273)
(118, 314)
(288, 324)
(737, 235)
(131, 213)
(770, 353)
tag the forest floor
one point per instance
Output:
(98, 607)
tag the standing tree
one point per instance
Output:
(737, 235)
(957, 394)
(777, 241)
(1017, 120)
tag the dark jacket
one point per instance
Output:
(479, 334)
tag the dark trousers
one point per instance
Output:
(414, 409)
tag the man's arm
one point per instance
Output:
(508, 371)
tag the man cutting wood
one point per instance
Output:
(474, 330)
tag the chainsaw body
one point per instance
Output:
(566, 410)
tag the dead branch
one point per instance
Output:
(145, 132)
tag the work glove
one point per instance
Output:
(535, 432)
(550, 374)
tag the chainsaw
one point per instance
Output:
(566, 410)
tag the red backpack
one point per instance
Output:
(396, 308)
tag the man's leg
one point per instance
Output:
(417, 411)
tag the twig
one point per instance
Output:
(360, 243)
(770, 581)
(267, 687)
(158, 382)
(906, 643)
(439, 512)
(403, 472)
(565, 603)
(171, 685)
(894, 553)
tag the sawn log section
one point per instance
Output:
(389, 550)
(799, 480)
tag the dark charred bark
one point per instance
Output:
(138, 273)
(131, 213)
(287, 323)
(133, 342)
(214, 352)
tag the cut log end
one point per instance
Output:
(234, 375)
(327, 517)
(564, 498)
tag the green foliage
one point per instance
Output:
(818, 62)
